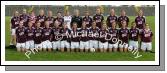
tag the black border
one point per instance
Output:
(98, 65)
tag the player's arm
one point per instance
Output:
(128, 20)
(136, 20)
(72, 20)
(151, 33)
(108, 21)
(94, 18)
(102, 18)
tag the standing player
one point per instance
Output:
(74, 38)
(76, 18)
(24, 17)
(38, 36)
(87, 19)
(123, 36)
(122, 18)
(98, 18)
(32, 18)
(30, 36)
(14, 23)
(93, 36)
(113, 46)
(146, 39)
(46, 36)
(133, 37)
(41, 17)
(84, 39)
(50, 18)
(65, 42)
(59, 18)
(21, 37)
(140, 20)
(67, 19)
(56, 38)
(103, 43)
(111, 18)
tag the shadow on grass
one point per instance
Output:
(10, 47)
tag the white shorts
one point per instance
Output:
(111, 46)
(20, 45)
(74, 45)
(145, 46)
(38, 46)
(133, 44)
(30, 44)
(64, 44)
(93, 44)
(13, 31)
(56, 44)
(84, 45)
(46, 44)
(103, 45)
(123, 45)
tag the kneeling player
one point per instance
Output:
(123, 37)
(65, 42)
(46, 44)
(30, 36)
(146, 39)
(133, 36)
(56, 36)
(74, 38)
(38, 36)
(21, 37)
(113, 44)
(84, 43)
(103, 43)
(93, 36)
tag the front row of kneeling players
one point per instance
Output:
(82, 39)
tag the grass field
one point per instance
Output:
(12, 55)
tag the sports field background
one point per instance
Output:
(12, 55)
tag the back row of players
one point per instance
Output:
(47, 33)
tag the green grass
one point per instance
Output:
(12, 55)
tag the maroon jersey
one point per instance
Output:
(140, 21)
(103, 35)
(15, 22)
(56, 34)
(32, 19)
(123, 35)
(133, 34)
(114, 34)
(111, 19)
(99, 20)
(24, 18)
(94, 33)
(121, 19)
(88, 21)
(146, 36)
(75, 35)
(65, 33)
(20, 35)
(60, 20)
(51, 21)
(30, 33)
(41, 19)
(77, 19)
(46, 32)
(84, 34)
(38, 35)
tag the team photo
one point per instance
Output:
(79, 33)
